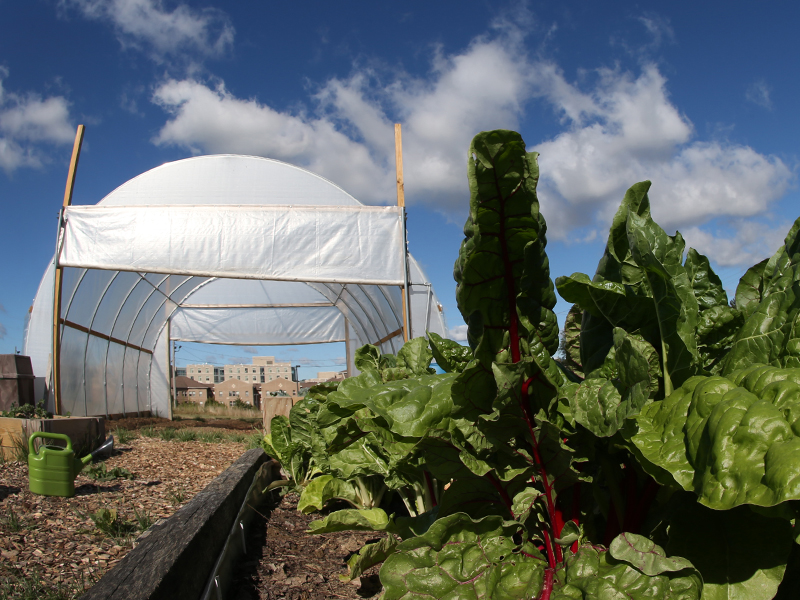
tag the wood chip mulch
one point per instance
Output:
(288, 563)
(54, 542)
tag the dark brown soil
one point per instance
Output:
(134, 423)
(284, 561)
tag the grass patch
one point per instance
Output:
(186, 435)
(33, 587)
(176, 496)
(149, 432)
(12, 521)
(211, 437)
(167, 434)
(124, 435)
(254, 439)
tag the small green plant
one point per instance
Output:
(124, 435)
(19, 450)
(144, 520)
(254, 439)
(149, 432)
(167, 434)
(98, 472)
(176, 496)
(240, 404)
(11, 521)
(237, 438)
(111, 524)
(211, 437)
(31, 586)
(186, 435)
(27, 411)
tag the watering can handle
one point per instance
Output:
(50, 436)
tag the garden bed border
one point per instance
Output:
(189, 554)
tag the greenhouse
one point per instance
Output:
(216, 249)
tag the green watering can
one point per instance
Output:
(52, 471)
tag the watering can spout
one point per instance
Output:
(105, 448)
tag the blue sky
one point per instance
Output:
(698, 97)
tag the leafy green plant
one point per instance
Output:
(27, 411)
(109, 523)
(99, 472)
(620, 471)
(149, 432)
(144, 520)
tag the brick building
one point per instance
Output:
(189, 390)
(206, 373)
(231, 390)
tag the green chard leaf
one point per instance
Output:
(771, 331)
(621, 573)
(505, 236)
(451, 356)
(466, 559)
(674, 303)
(730, 445)
(740, 553)
(602, 405)
(642, 287)
(368, 556)
(572, 338)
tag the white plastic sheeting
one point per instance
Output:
(351, 244)
(116, 313)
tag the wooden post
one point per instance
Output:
(401, 202)
(347, 346)
(398, 156)
(73, 167)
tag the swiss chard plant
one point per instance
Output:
(658, 457)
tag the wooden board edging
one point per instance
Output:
(174, 558)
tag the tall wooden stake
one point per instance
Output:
(401, 202)
(73, 167)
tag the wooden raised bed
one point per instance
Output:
(86, 433)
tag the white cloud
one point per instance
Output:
(458, 333)
(752, 242)
(27, 121)
(627, 130)
(758, 93)
(148, 26)
(619, 128)
(349, 138)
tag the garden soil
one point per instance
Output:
(285, 562)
